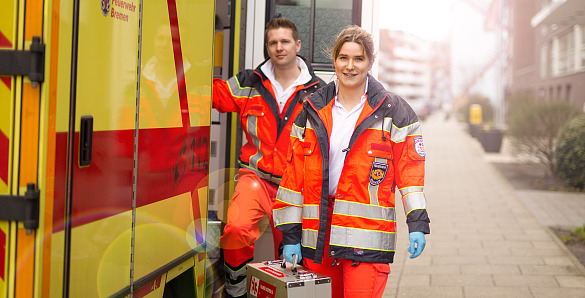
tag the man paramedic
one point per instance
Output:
(268, 99)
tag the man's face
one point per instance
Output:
(282, 47)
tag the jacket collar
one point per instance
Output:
(263, 76)
(323, 96)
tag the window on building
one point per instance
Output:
(543, 60)
(582, 58)
(566, 54)
(568, 93)
(318, 21)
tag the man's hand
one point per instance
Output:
(292, 249)
(417, 238)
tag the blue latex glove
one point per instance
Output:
(419, 239)
(292, 249)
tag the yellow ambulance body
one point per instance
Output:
(108, 128)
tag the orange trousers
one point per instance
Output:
(363, 280)
(252, 200)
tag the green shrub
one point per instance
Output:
(570, 153)
(534, 127)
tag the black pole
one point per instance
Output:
(70, 149)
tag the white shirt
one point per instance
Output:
(343, 126)
(282, 96)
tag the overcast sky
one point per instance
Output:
(428, 19)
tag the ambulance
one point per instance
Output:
(115, 172)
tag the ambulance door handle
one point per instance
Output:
(85, 140)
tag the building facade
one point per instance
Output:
(547, 50)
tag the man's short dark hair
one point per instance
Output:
(280, 22)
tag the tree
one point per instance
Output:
(534, 126)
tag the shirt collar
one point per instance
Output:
(362, 99)
(304, 77)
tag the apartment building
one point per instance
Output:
(547, 50)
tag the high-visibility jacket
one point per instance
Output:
(385, 152)
(267, 131)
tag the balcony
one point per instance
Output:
(561, 12)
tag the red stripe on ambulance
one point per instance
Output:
(5, 43)
(179, 62)
(171, 161)
(4, 146)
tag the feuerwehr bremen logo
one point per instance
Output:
(106, 4)
(377, 173)
(419, 147)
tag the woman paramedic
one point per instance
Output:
(352, 146)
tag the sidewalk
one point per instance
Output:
(484, 242)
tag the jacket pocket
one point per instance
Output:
(254, 110)
(308, 148)
(378, 150)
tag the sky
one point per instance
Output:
(458, 21)
(428, 19)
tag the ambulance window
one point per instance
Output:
(318, 21)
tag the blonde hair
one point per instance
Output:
(357, 34)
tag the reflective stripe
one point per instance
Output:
(363, 210)
(267, 177)
(365, 239)
(373, 189)
(311, 211)
(287, 215)
(310, 238)
(289, 196)
(239, 91)
(238, 289)
(404, 191)
(414, 200)
(252, 130)
(399, 135)
(235, 274)
(387, 124)
(297, 132)
(235, 289)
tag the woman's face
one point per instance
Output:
(351, 65)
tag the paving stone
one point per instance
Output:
(541, 292)
(549, 270)
(495, 292)
(571, 281)
(491, 269)
(475, 280)
(525, 281)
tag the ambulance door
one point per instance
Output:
(95, 124)
(173, 140)
(21, 86)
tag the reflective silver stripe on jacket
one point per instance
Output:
(297, 132)
(398, 135)
(311, 211)
(387, 124)
(364, 210)
(239, 91)
(252, 130)
(289, 196)
(359, 238)
(310, 238)
(287, 215)
(413, 198)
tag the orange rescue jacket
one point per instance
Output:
(267, 131)
(385, 152)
